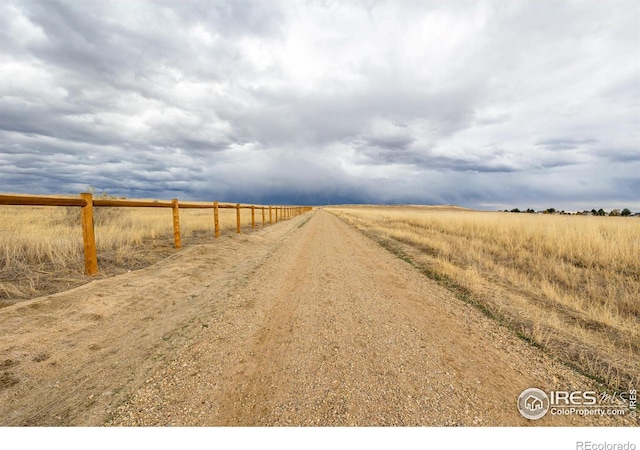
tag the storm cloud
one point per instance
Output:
(482, 104)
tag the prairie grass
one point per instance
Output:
(570, 284)
(41, 248)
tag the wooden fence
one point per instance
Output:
(86, 202)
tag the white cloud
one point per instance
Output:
(477, 103)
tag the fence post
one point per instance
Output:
(253, 216)
(88, 235)
(216, 219)
(277, 214)
(238, 217)
(270, 220)
(176, 223)
(263, 216)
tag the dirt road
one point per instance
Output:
(306, 322)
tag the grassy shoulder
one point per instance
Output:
(567, 284)
(41, 248)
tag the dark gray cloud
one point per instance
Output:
(621, 155)
(485, 104)
(567, 143)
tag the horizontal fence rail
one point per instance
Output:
(86, 202)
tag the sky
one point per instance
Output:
(482, 104)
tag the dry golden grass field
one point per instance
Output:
(41, 247)
(569, 284)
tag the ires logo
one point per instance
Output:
(534, 403)
(575, 398)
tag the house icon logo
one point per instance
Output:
(533, 403)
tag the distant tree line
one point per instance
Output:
(601, 212)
